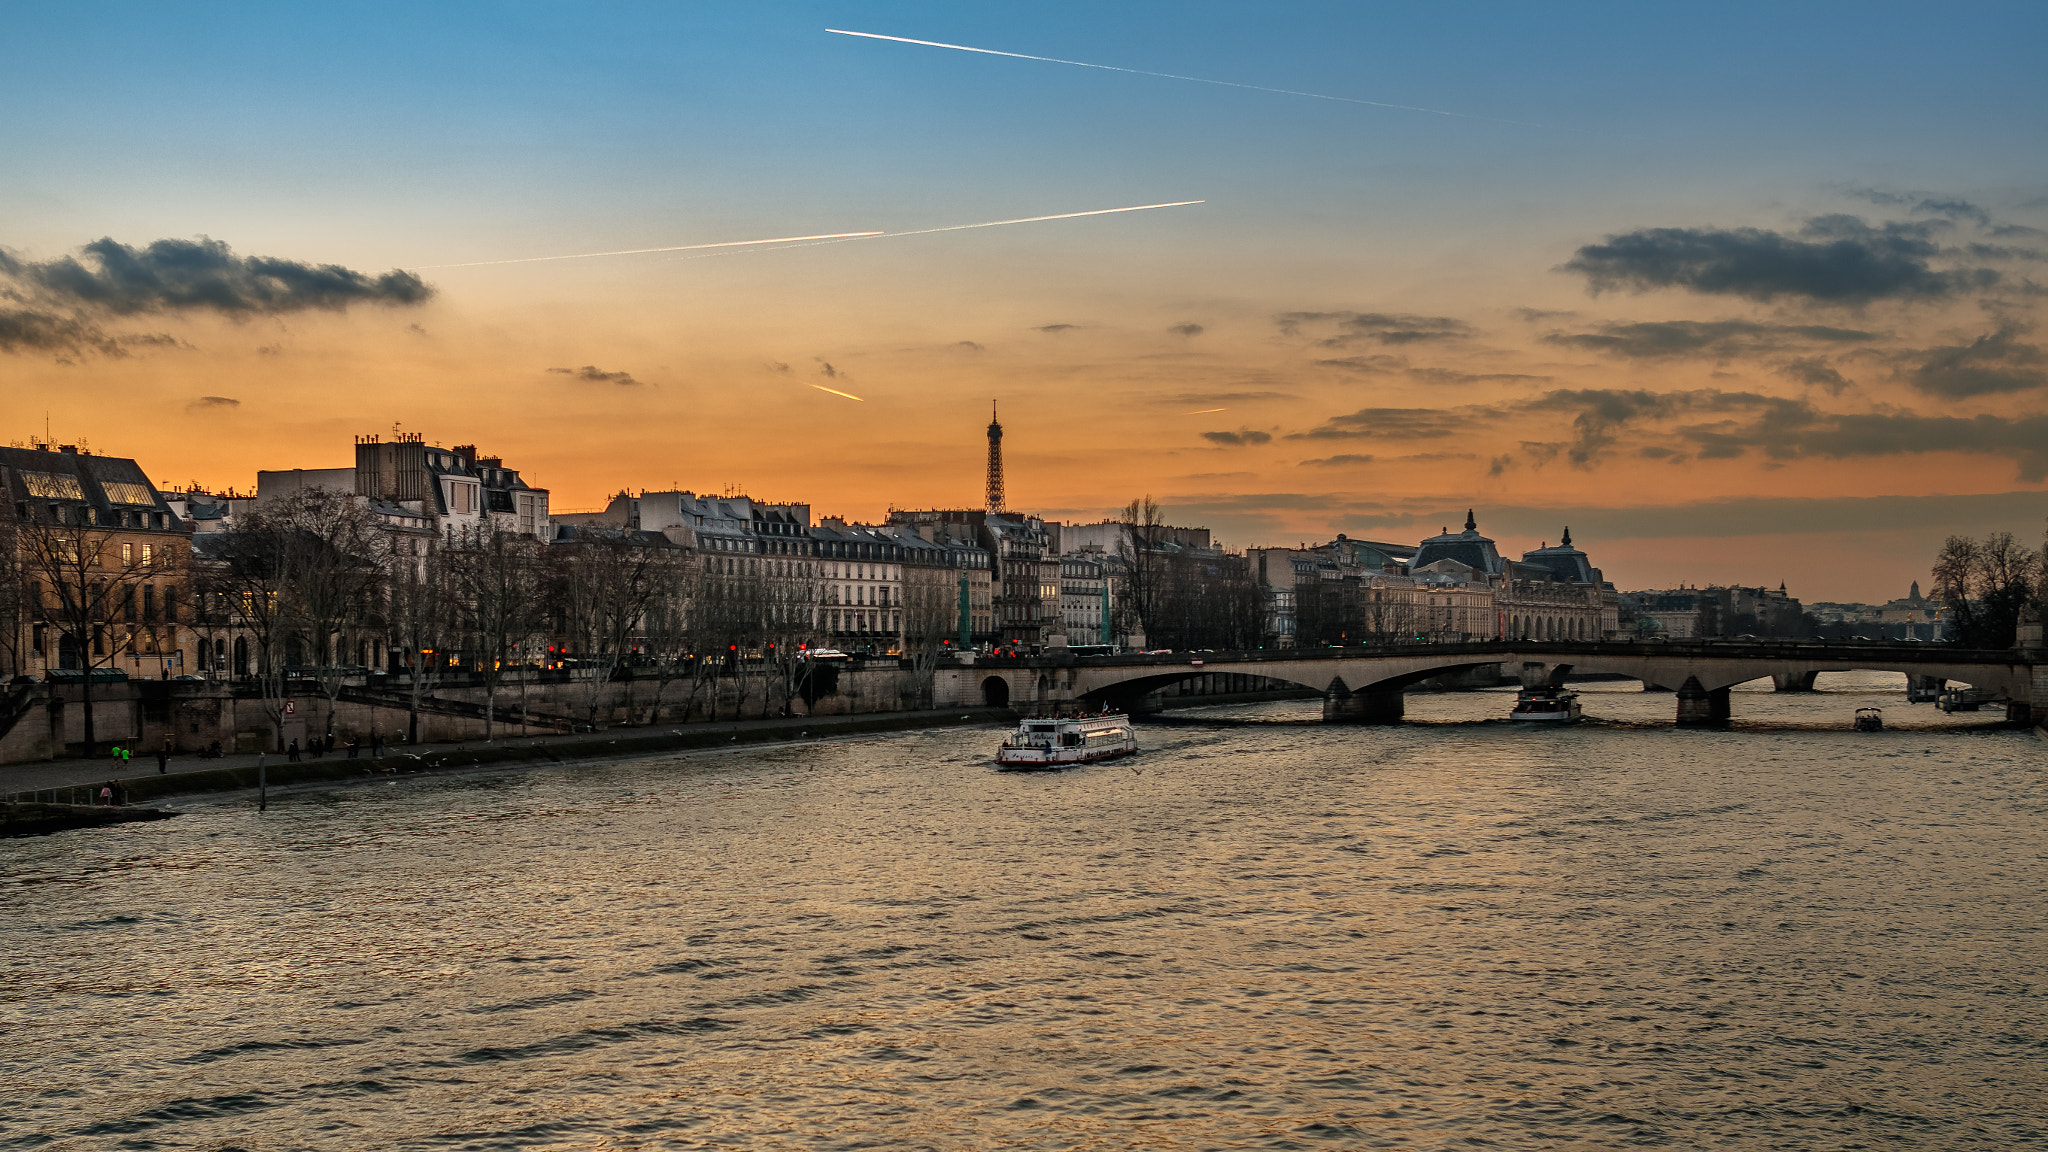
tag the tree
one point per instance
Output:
(301, 575)
(931, 617)
(84, 578)
(670, 640)
(334, 589)
(423, 612)
(1988, 585)
(499, 582)
(788, 606)
(1145, 568)
(601, 582)
(15, 614)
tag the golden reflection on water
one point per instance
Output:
(1280, 936)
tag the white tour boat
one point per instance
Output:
(1546, 705)
(1046, 742)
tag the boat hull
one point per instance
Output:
(1545, 717)
(1030, 759)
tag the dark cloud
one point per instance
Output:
(1539, 315)
(1833, 259)
(968, 346)
(61, 307)
(1599, 415)
(1817, 372)
(1187, 328)
(1799, 432)
(591, 374)
(1380, 365)
(1720, 339)
(1239, 439)
(829, 371)
(1051, 328)
(1988, 365)
(1383, 364)
(1335, 461)
(30, 330)
(1394, 424)
(204, 275)
(1373, 327)
(1775, 516)
(777, 366)
(1926, 204)
(270, 350)
(54, 333)
(205, 402)
(1446, 376)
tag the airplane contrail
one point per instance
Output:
(822, 238)
(1176, 76)
(642, 251)
(1036, 219)
(1204, 411)
(962, 227)
(837, 392)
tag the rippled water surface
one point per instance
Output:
(1456, 933)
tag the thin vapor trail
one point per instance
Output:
(1204, 411)
(642, 251)
(815, 241)
(1176, 76)
(837, 392)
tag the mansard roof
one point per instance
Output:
(107, 484)
(1468, 548)
(1564, 562)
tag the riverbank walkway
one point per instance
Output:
(26, 779)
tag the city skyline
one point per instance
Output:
(1770, 317)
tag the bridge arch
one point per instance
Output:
(995, 692)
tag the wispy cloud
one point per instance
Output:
(591, 374)
(1242, 438)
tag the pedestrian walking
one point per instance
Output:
(377, 746)
(291, 752)
(107, 792)
(163, 761)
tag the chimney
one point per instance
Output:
(71, 448)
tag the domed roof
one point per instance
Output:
(1468, 548)
(1564, 562)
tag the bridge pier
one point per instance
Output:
(1342, 706)
(1793, 681)
(1698, 705)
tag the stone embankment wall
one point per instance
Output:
(44, 722)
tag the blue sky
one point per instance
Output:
(382, 136)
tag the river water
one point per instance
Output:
(1456, 933)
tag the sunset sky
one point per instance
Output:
(1741, 293)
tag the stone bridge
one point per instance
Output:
(1364, 685)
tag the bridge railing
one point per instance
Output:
(1821, 652)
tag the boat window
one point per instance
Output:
(1041, 727)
